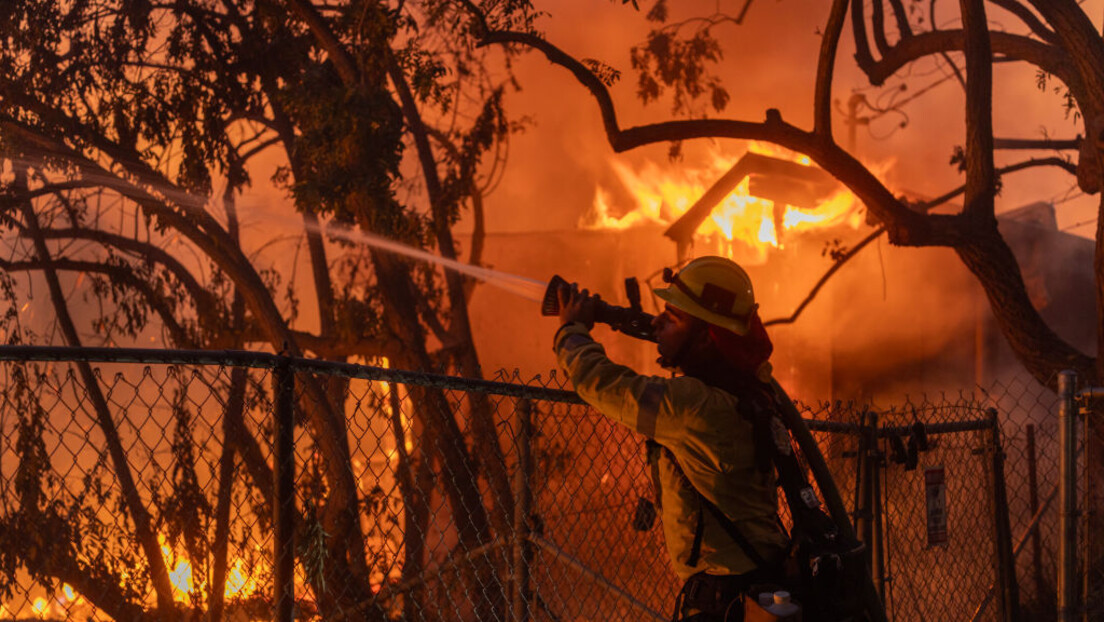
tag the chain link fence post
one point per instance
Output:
(522, 503)
(877, 463)
(1005, 561)
(1067, 498)
(284, 541)
(1040, 585)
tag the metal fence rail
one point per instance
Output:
(205, 484)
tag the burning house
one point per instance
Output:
(891, 322)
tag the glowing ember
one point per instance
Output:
(749, 225)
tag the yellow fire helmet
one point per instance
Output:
(714, 289)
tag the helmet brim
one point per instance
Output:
(677, 298)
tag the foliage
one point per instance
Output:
(129, 129)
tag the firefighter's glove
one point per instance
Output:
(576, 306)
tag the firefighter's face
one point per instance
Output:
(672, 328)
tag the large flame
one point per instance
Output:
(748, 225)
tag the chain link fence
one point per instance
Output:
(149, 485)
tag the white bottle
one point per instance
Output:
(784, 608)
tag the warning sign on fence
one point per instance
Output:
(935, 490)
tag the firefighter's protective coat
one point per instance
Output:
(709, 440)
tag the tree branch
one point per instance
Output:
(858, 30)
(1085, 48)
(900, 14)
(923, 207)
(342, 60)
(139, 515)
(826, 276)
(877, 25)
(1019, 166)
(584, 75)
(1049, 58)
(826, 63)
(1029, 18)
(117, 274)
(1031, 143)
(205, 302)
(904, 226)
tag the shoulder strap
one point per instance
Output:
(773, 439)
(704, 504)
(733, 531)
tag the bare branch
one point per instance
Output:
(1082, 42)
(1019, 166)
(822, 104)
(946, 57)
(901, 15)
(135, 507)
(858, 30)
(1029, 18)
(204, 300)
(119, 275)
(1029, 143)
(922, 207)
(877, 25)
(843, 259)
(904, 226)
(1050, 59)
(581, 72)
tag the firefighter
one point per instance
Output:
(717, 496)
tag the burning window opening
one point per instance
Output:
(741, 207)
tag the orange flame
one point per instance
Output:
(239, 581)
(748, 224)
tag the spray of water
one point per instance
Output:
(527, 288)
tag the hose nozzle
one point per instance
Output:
(632, 321)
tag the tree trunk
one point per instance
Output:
(988, 257)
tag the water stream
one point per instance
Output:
(527, 288)
(530, 289)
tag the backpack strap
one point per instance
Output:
(733, 532)
(772, 439)
(704, 504)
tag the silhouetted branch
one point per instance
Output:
(1030, 143)
(1049, 58)
(1019, 166)
(1029, 18)
(922, 207)
(829, 43)
(823, 280)
(120, 275)
(136, 509)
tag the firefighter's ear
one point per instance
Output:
(702, 338)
